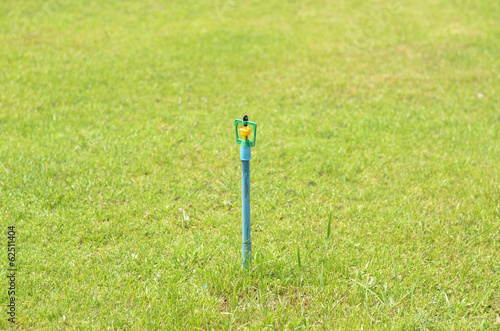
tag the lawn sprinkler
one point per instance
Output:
(246, 134)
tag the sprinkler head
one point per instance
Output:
(244, 134)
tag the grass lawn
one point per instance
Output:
(120, 171)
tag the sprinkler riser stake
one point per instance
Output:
(246, 144)
(246, 247)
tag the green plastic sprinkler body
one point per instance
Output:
(244, 137)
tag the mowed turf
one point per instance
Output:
(120, 170)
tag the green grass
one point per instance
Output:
(375, 178)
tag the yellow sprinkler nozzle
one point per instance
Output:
(245, 132)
